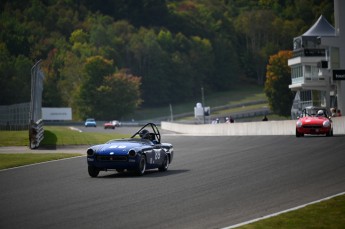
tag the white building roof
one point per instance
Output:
(321, 28)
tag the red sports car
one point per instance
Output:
(109, 125)
(315, 121)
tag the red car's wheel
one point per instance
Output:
(298, 134)
(330, 133)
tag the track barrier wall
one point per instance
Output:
(287, 127)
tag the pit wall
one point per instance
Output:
(287, 127)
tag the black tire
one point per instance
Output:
(93, 171)
(330, 133)
(142, 166)
(298, 134)
(165, 164)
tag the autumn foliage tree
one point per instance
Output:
(278, 78)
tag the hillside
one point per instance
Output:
(164, 51)
(222, 104)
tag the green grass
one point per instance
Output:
(65, 136)
(55, 135)
(326, 214)
(20, 159)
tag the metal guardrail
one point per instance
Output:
(36, 134)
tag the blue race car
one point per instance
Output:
(143, 151)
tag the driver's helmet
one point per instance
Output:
(144, 134)
(320, 113)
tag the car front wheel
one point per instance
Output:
(298, 134)
(330, 133)
(93, 171)
(142, 166)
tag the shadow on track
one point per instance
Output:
(148, 174)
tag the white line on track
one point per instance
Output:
(282, 212)
(76, 129)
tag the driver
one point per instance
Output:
(320, 113)
(144, 134)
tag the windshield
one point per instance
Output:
(314, 111)
(135, 140)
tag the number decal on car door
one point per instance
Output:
(157, 155)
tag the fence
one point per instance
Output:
(27, 116)
(15, 117)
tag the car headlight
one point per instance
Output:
(132, 153)
(299, 123)
(90, 152)
(326, 123)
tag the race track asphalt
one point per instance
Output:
(213, 182)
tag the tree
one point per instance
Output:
(96, 68)
(120, 95)
(15, 78)
(278, 78)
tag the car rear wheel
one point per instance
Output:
(142, 166)
(93, 171)
(165, 164)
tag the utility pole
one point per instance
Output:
(171, 113)
(203, 102)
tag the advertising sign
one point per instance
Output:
(56, 114)
(339, 74)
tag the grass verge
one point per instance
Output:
(20, 159)
(56, 135)
(326, 214)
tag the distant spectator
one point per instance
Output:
(333, 112)
(265, 118)
(227, 120)
(231, 120)
(338, 113)
(216, 121)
